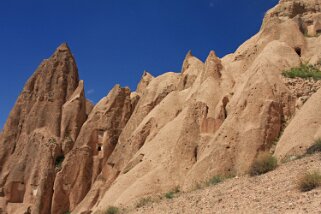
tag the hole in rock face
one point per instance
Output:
(196, 153)
(99, 148)
(58, 161)
(298, 51)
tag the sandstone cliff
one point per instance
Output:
(60, 154)
(31, 138)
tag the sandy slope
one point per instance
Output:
(274, 192)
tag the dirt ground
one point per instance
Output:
(274, 192)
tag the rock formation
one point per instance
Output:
(58, 153)
(95, 143)
(31, 136)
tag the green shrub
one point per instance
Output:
(171, 194)
(264, 163)
(219, 178)
(310, 181)
(216, 180)
(112, 210)
(143, 202)
(316, 147)
(304, 71)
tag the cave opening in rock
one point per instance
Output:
(58, 161)
(298, 51)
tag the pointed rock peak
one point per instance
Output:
(117, 89)
(144, 82)
(213, 66)
(186, 63)
(63, 48)
(116, 92)
(189, 54)
(213, 57)
(146, 74)
(81, 83)
(212, 54)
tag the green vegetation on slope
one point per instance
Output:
(264, 163)
(310, 181)
(304, 71)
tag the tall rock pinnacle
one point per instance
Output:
(213, 66)
(186, 63)
(145, 80)
(31, 134)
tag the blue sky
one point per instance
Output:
(114, 41)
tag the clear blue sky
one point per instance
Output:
(113, 41)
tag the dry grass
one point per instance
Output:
(264, 163)
(310, 181)
(171, 194)
(112, 210)
(143, 202)
(216, 180)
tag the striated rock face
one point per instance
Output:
(177, 129)
(95, 143)
(73, 116)
(30, 140)
(221, 115)
(304, 12)
(302, 131)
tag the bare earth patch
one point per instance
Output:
(274, 192)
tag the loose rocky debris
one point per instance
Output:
(275, 192)
(302, 89)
